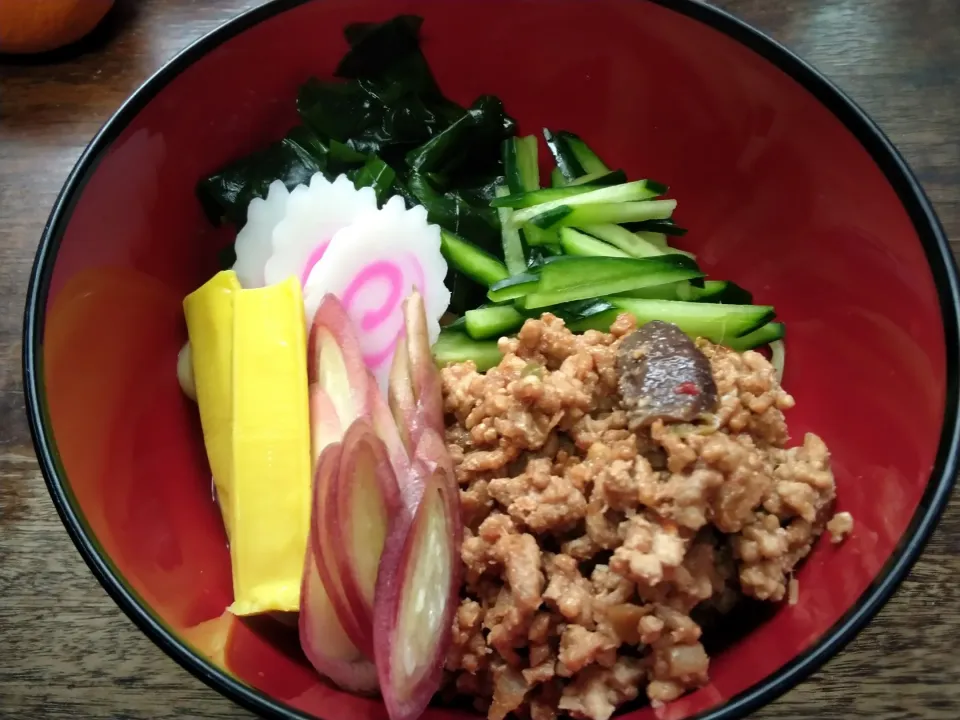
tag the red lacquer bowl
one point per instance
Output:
(787, 187)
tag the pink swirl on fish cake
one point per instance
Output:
(372, 321)
(315, 256)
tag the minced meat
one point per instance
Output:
(590, 539)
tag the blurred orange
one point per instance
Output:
(33, 26)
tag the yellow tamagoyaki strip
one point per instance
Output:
(266, 496)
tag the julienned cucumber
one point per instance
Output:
(764, 335)
(614, 177)
(520, 164)
(542, 254)
(667, 227)
(630, 192)
(528, 163)
(713, 291)
(544, 196)
(721, 291)
(471, 260)
(538, 237)
(658, 239)
(566, 272)
(513, 287)
(492, 322)
(579, 311)
(567, 163)
(588, 248)
(579, 278)
(718, 323)
(588, 159)
(513, 255)
(620, 237)
(582, 215)
(456, 347)
(574, 242)
(522, 169)
(674, 291)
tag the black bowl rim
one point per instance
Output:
(870, 136)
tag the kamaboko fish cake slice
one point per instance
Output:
(314, 214)
(254, 244)
(372, 266)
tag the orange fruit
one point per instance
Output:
(33, 26)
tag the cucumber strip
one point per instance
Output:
(764, 335)
(528, 164)
(511, 164)
(471, 260)
(660, 241)
(542, 197)
(713, 291)
(579, 215)
(625, 240)
(513, 255)
(667, 227)
(538, 237)
(601, 320)
(582, 278)
(551, 218)
(566, 272)
(630, 192)
(577, 243)
(528, 168)
(455, 347)
(718, 323)
(542, 254)
(520, 164)
(615, 177)
(580, 311)
(721, 291)
(654, 238)
(568, 312)
(588, 159)
(556, 178)
(538, 196)
(545, 197)
(513, 287)
(673, 291)
(566, 161)
(492, 322)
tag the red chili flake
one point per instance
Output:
(687, 388)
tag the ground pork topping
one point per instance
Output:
(590, 541)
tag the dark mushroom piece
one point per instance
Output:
(663, 376)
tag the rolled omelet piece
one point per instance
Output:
(270, 439)
(209, 314)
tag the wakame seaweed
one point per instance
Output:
(293, 160)
(369, 117)
(477, 134)
(377, 174)
(453, 212)
(384, 122)
(389, 52)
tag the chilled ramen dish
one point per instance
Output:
(473, 417)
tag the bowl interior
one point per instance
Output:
(779, 196)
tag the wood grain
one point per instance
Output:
(68, 652)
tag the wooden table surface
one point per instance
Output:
(67, 652)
